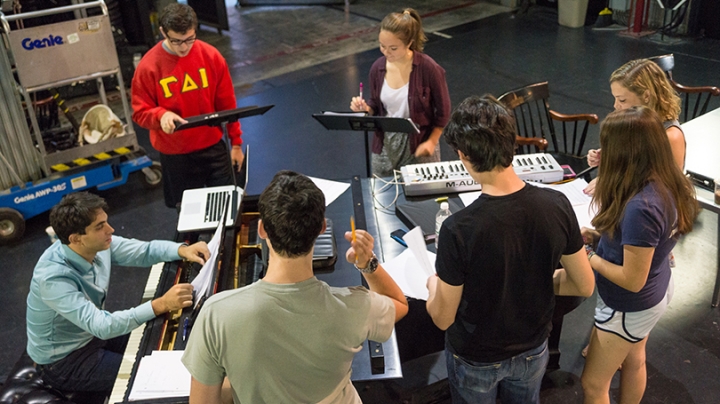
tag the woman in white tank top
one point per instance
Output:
(405, 83)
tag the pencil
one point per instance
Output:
(352, 227)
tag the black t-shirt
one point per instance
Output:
(504, 251)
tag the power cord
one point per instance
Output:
(386, 185)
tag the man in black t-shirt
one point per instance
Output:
(496, 280)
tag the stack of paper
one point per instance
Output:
(580, 201)
(573, 190)
(159, 375)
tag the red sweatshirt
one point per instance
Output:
(196, 84)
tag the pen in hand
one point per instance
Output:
(361, 88)
(352, 231)
(352, 227)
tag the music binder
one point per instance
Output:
(422, 213)
(354, 122)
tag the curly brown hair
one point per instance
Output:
(643, 76)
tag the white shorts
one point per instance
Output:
(631, 326)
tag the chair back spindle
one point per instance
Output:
(535, 120)
(696, 100)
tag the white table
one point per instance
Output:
(702, 135)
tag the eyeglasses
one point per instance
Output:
(178, 42)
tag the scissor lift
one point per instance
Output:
(47, 57)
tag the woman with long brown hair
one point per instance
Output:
(644, 204)
(405, 83)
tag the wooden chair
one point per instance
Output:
(695, 99)
(536, 121)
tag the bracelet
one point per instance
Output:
(590, 254)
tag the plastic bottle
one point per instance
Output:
(440, 217)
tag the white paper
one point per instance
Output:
(331, 189)
(345, 113)
(573, 190)
(204, 280)
(469, 197)
(161, 374)
(406, 272)
(416, 243)
(584, 213)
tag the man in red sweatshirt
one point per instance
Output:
(183, 77)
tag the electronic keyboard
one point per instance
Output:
(451, 176)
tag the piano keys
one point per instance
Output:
(451, 176)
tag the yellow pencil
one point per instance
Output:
(352, 227)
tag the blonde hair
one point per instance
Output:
(407, 26)
(643, 76)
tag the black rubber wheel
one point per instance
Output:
(153, 175)
(12, 225)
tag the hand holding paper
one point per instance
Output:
(197, 252)
(416, 243)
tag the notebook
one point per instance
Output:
(201, 208)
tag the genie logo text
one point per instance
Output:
(51, 40)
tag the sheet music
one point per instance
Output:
(161, 374)
(407, 273)
(345, 113)
(416, 243)
(580, 201)
(469, 197)
(331, 189)
(203, 281)
(573, 190)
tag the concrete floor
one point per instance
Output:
(305, 59)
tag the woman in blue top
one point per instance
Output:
(644, 203)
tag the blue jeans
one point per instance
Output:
(515, 380)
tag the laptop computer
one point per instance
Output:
(202, 208)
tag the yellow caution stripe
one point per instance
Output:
(83, 161)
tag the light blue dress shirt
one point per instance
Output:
(65, 306)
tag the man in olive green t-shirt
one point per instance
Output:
(290, 337)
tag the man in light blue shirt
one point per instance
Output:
(76, 344)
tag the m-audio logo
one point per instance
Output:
(51, 40)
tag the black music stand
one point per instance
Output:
(351, 121)
(221, 119)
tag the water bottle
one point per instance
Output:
(440, 217)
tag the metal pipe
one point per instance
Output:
(58, 10)
(24, 154)
(60, 83)
(638, 17)
(36, 128)
(126, 108)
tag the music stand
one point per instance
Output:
(221, 119)
(351, 121)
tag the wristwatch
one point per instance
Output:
(371, 266)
